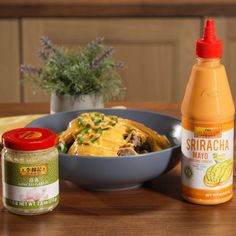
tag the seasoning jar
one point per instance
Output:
(30, 171)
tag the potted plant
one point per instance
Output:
(76, 79)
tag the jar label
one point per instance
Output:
(31, 185)
(28, 198)
(207, 162)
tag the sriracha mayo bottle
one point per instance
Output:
(207, 126)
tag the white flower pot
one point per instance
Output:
(60, 103)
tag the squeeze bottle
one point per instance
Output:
(207, 127)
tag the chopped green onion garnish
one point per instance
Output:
(62, 147)
(97, 122)
(81, 140)
(82, 121)
(84, 130)
(94, 138)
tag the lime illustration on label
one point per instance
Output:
(218, 174)
(219, 157)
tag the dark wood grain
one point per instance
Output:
(116, 8)
(154, 209)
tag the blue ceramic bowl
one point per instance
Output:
(117, 173)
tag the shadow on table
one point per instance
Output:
(168, 185)
(157, 195)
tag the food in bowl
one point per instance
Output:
(97, 134)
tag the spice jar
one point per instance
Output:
(30, 171)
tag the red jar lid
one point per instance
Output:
(29, 139)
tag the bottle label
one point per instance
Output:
(30, 186)
(207, 162)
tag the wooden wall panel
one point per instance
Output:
(158, 52)
(225, 30)
(150, 71)
(9, 61)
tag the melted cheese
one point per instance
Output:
(112, 139)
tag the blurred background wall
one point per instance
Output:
(155, 39)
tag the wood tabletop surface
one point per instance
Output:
(116, 8)
(153, 209)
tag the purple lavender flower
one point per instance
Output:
(47, 44)
(43, 54)
(102, 57)
(28, 69)
(95, 43)
(119, 65)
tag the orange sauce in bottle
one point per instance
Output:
(207, 127)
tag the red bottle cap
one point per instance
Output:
(29, 139)
(209, 46)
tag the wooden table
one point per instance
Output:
(154, 209)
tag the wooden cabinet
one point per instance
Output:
(9, 61)
(225, 30)
(158, 52)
